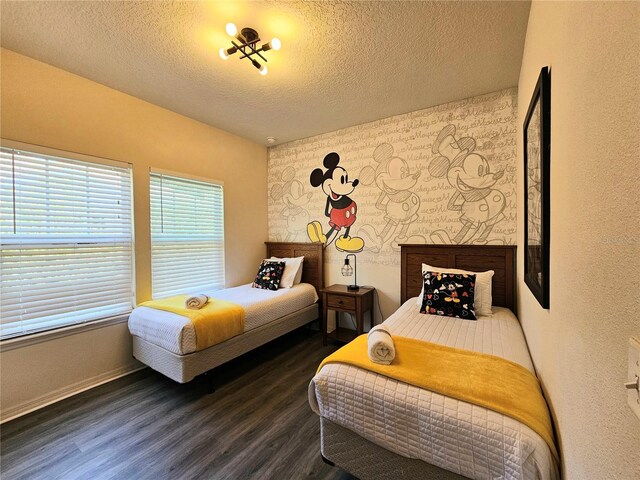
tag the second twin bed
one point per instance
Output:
(377, 427)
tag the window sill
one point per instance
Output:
(40, 337)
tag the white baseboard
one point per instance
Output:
(66, 392)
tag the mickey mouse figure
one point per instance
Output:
(397, 199)
(295, 200)
(340, 208)
(480, 204)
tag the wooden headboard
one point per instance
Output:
(478, 258)
(313, 265)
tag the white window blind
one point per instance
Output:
(66, 241)
(187, 235)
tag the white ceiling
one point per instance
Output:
(341, 63)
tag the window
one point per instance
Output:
(187, 235)
(66, 241)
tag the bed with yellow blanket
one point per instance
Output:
(182, 343)
(460, 400)
(218, 320)
(378, 425)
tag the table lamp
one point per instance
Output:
(347, 270)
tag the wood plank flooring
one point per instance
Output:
(257, 424)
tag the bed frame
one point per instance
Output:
(349, 451)
(478, 258)
(184, 368)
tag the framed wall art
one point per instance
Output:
(537, 150)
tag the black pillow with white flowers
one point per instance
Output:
(269, 275)
(449, 294)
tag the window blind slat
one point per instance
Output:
(187, 235)
(66, 242)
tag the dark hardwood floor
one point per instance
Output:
(257, 424)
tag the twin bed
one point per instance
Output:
(372, 425)
(166, 341)
(377, 427)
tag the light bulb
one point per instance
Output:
(263, 70)
(276, 44)
(232, 30)
(223, 53)
(347, 270)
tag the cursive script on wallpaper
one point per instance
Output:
(445, 174)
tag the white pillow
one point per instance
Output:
(298, 278)
(292, 271)
(482, 299)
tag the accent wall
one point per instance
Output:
(445, 174)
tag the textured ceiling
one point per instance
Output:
(341, 63)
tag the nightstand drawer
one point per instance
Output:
(339, 301)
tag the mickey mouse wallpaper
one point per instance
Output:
(294, 199)
(340, 209)
(480, 203)
(431, 177)
(397, 199)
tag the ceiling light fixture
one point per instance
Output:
(247, 44)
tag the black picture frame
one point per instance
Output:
(537, 152)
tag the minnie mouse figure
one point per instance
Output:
(340, 208)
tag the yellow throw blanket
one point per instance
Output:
(485, 380)
(214, 323)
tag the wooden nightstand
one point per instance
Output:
(340, 299)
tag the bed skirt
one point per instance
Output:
(368, 461)
(184, 368)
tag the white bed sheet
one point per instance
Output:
(416, 423)
(175, 333)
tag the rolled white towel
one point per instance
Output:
(380, 343)
(196, 302)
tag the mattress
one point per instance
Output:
(175, 333)
(415, 423)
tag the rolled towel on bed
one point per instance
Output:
(196, 302)
(381, 347)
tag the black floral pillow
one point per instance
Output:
(269, 275)
(449, 294)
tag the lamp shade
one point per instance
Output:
(347, 270)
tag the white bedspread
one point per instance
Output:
(416, 423)
(175, 333)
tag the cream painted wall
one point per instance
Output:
(47, 106)
(579, 345)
